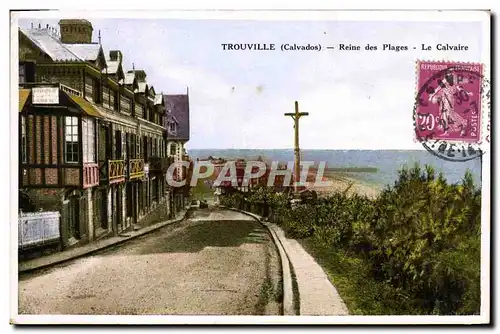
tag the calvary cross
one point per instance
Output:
(296, 116)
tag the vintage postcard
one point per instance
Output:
(250, 167)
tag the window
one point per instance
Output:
(139, 110)
(106, 98)
(124, 144)
(22, 76)
(115, 100)
(133, 146)
(172, 127)
(118, 144)
(137, 141)
(71, 139)
(89, 88)
(23, 140)
(96, 91)
(88, 140)
(124, 104)
(173, 149)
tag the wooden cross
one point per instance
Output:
(296, 116)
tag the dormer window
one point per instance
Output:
(173, 127)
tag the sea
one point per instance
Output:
(386, 162)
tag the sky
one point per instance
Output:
(355, 99)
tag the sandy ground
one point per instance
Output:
(343, 183)
(216, 262)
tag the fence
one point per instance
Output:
(38, 228)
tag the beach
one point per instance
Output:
(342, 183)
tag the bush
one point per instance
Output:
(421, 236)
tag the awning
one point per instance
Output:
(23, 97)
(86, 106)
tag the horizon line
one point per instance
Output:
(315, 149)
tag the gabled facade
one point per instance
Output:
(177, 130)
(92, 139)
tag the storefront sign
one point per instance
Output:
(45, 95)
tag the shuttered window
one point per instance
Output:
(88, 140)
(106, 102)
(125, 104)
(139, 110)
(89, 88)
(112, 100)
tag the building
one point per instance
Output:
(92, 136)
(177, 124)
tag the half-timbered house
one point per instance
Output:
(89, 134)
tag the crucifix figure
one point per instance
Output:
(296, 116)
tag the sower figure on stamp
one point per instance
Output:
(446, 94)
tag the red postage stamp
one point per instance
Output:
(448, 104)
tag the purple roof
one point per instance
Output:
(178, 107)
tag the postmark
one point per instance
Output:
(448, 108)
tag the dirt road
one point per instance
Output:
(216, 262)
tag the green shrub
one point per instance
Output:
(422, 236)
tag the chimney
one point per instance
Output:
(115, 55)
(75, 31)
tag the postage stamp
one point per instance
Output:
(448, 108)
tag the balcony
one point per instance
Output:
(116, 171)
(70, 90)
(136, 169)
(159, 165)
(90, 175)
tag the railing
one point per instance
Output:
(38, 228)
(116, 171)
(90, 175)
(136, 168)
(70, 90)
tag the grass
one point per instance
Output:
(295, 289)
(362, 294)
(265, 295)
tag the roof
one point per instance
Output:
(86, 106)
(112, 66)
(158, 99)
(85, 51)
(178, 107)
(142, 87)
(50, 43)
(129, 78)
(171, 118)
(23, 97)
(139, 74)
